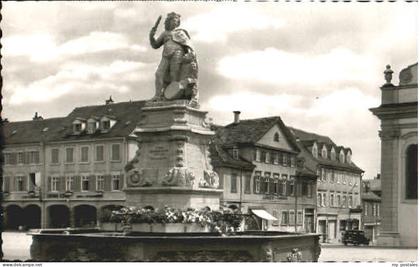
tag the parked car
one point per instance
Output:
(355, 237)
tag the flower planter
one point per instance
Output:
(110, 226)
(196, 228)
(168, 228)
(141, 227)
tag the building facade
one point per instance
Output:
(338, 184)
(259, 171)
(67, 171)
(399, 161)
(371, 205)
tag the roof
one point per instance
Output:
(374, 184)
(219, 155)
(126, 114)
(306, 140)
(370, 196)
(251, 131)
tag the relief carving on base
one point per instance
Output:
(179, 176)
(210, 179)
(137, 177)
(294, 256)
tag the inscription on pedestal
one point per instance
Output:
(158, 153)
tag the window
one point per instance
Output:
(271, 186)
(365, 208)
(299, 217)
(350, 180)
(69, 183)
(333, 154)
(350, 201)
(247, 189)
(55, 155)
(284, 159)
(257, 182)
(20, 157)
(377, 209)
(77, 127)
(267, 157)
(235, 153)
(344, 176)
(319, 199)
(265, 183)
(373, 209)
(115, 152)
(275, 222)
(276, 137)
(276, 185)
(324, 199)
(341, 156)
(85, 183)
(315, 150)
(34, 157)
(20, 183)
(106, 125)
(99, 153)
(54, 184)
(284, 218)
(276, 158)
(84, 154)
(291, 217)
(292, 185)
(324, 152)
(233, 182)
(257, 155)
(411, 172)
(348, 157)
(344, 204)
(100, 183)
(116, 182)
(332, 200)
(309, 190)
(338, 201)
(91, 126)
(69, 154)
(263, 156)
(292, 161)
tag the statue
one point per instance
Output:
(176, 75)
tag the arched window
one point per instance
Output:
(411, 181)
(324, 152)
(276, 137)
(315, 150)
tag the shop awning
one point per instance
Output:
(263, 214)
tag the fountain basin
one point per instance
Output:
(99, 245)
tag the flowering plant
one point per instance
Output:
(222, 221)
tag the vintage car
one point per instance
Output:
(355, 237)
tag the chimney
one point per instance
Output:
(36, 117)
(236, 116)
(109, 101)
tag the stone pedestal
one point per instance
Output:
(172, 165)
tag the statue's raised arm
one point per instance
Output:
(176, 75)
(153, 42)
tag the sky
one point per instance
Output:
(318, 66)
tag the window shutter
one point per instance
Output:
(6, 184)
(76, 183)
(62, 185)
(92, 185)
(49, 184)
(107, 182)
(121, 181)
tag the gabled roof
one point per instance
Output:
(251, 131)
(220, 157)
(126, 114)
(34, 131)
(306, 140)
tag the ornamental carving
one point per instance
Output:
(210, 179)
(179, 176)
(294, 256)
(136, 177)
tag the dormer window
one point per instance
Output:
(276, 137)
(78, 126)
(341, 156)
(235, 153)
(333, 154)
(324, 152)
(315, 150)
(107, 123)
(348, 157)
(92, 126)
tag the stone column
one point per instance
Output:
(44, 217)
(389, 176)
(98, 216)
